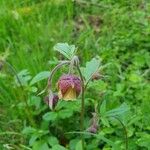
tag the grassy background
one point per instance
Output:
(117, 31)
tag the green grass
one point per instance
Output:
(117, 31)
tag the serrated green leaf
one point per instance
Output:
(40, 145)
(53, 141)
(118, 111)
(67, 50)
(91, 68)
(79, 145)
(50, 116)
(40, 76)
(33, 139)
(109, 142)
(28, 130)
(66, 113)
(58, 147)
(72, 143)
(105, 121)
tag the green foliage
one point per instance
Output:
(115, 31)
(122, 109)
(40, 76)
(67, 50)
(79, 146)
(24, 77)
(50, 116)
(144, 140)
(91, 68)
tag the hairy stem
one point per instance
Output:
(49, 83)
(82, 106)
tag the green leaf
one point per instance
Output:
(66, 113)
(32, 89)
(105, 121)
(109, 142)
(103, 108)
(24, 77)
(58, 147)
(40, 76)
(60, 105)
(135, 78)
(28, 130)
(67, 50)
(40, 145)
(73, 143)
(118, 111)
(34, 101)
(144, 141)
(79, 145)
(53, 141)
(91, 68)
(50, 116)
(33, 139)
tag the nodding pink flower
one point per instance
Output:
(69, 87)
(52, 100)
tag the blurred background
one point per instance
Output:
(118, 31)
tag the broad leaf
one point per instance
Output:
(67, 50)
(24, 77)
(53, 141)
(118, 111)
(66, 113)
(91, 68)
(28, 130)
(103, 108)
(50, 116)
(33, 138)
(109, 142)
(79, 145)
(144, 140)
(73, 143)
(58, 147)
(105, 121)
(40, 76)
(34, 101)
(40, 145)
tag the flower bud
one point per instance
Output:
(52, 100)
(96, 76)
(94, 124)
(69, 87)
(93, 129)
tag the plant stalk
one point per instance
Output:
(82, 106)
(125, 132)
(49, 82)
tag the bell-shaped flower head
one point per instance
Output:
(69, 87)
